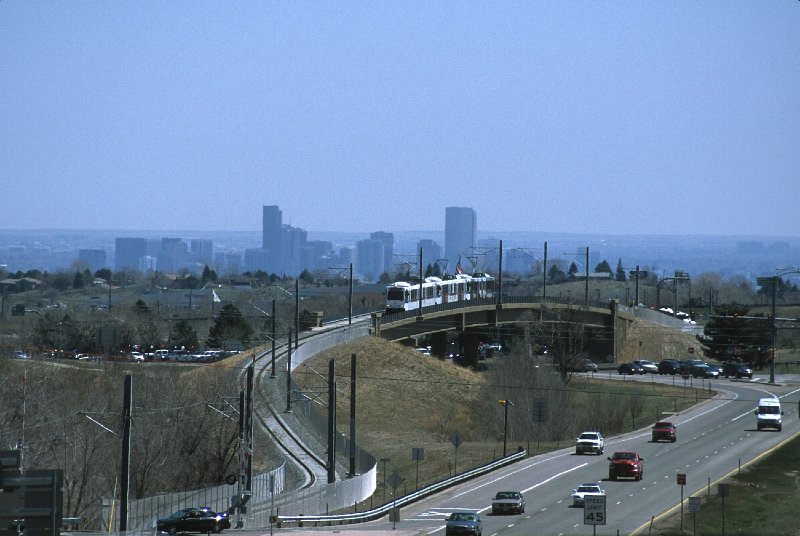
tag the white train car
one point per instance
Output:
(403, 296)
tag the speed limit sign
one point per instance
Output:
(594, 510)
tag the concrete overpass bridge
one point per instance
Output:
(605, 324)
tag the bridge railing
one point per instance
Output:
(483, 302)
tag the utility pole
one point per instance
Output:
(544, 276)
(296, 312)
(331, 422)
(289, 374)
(125, 466)
(353, 415)
(350, 298)
(586, 291)
(774, 329)
(273, 339)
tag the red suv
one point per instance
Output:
(626, 464)
(665, 430)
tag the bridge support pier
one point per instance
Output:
(439, 344)
(470, 348)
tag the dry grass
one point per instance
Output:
(406, 399)
(654, 342)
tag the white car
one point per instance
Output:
(591, 442)
(137, 356)
(588, 488)
(648, 366)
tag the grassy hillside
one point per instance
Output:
(406, 400)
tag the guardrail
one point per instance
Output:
(376, 513)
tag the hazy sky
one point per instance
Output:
(608, 117)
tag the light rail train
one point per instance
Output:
(404, 296)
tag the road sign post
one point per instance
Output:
(694, 507)
(594, 511)
(681, 479)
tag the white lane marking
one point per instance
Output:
(562, 473)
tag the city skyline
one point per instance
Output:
(617, 119)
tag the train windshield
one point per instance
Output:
(395, 294)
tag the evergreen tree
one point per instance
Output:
(306, 277)
(603, 266)
(729, 335)
(104, 273)
(78, 281)
(620, 272)
(183, 335)
(229, 325)
(556, 275)
(573, 269)
(209, 275)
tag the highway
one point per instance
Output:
(715, 438)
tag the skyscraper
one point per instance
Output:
(460, 232)
(128, 252)
(369, 259)
(388, 248)
(431, 252)
(272, 223)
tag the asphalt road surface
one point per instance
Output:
(715, 439)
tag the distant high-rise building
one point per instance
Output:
(272, 226)
(388, 248)
(369, 260)
(460, 232)
(172, 257)
(93, 258)
(201, 250)
(128, 252)
(258, 260)
(431, 253)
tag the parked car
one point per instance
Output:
(665, 430)
(737, 370)
(460, 523)
(194, 520)
(588, 488)
(591, 442)
(508, 502)
(669, 366)
(137, 356)
(705, 371)
(21, 354)
(648, 366)
(688, 364)
(630, 368)
(584, 365)
(625, 464)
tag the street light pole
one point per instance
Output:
(505, 404)
(774, 329)
(544, 276)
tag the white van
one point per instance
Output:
(768, 414)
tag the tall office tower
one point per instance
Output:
(93, 258)
(128, 251)
(369, 260)
(201, 250)
(172, 257)
(272, 223)
(431, 252)
(388, 248)
(460, 232)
